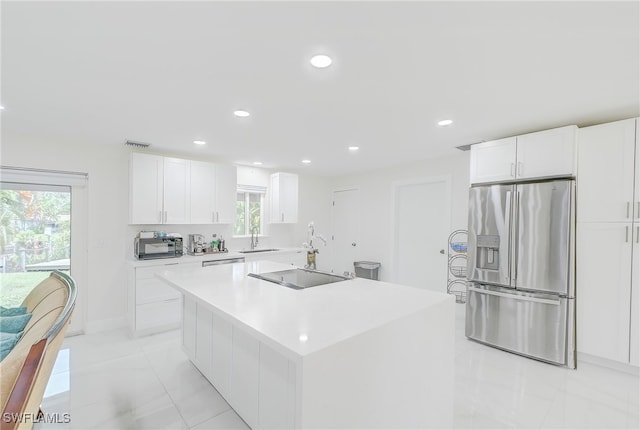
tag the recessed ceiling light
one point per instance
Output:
(445, 122)
(354, 148)
(306, 161)
(303, 337)
(199, 142)
(257, 163)
(321, 61)
(241, 113)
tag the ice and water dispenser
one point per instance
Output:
(488, 252)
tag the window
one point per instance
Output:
(249, 210)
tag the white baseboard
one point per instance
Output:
(605, 362)
(105, 325)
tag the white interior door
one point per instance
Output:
(346, 230)
(421, 224)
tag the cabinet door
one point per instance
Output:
(547, 153)
(226, 194)
(221, 335)
(275, 214)
(176, 191)
(244, 376)
(637, 174)
(634, 354)
(605, 172)
(284, 198)
(277, 390)
(189, 327)
(493, 161)
(145, 189)
(203, 357)
(202, 178)
(603, 288)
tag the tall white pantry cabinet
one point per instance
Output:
(608, 241)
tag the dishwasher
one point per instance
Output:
(223, 261)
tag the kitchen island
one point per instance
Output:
(351, 354)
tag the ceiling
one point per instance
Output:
(169, 73)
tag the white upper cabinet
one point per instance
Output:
(176, 191)
(203, 192)
(606, 172)
(145, 189)
(158, 190)
(284, 198)
(544, 154)
(166, 190)
(547, 153)
(493, 161)
(213, 193)
(226, 193)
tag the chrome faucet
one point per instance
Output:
(254, 234)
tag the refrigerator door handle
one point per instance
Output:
(516, 241)
(515, 296)
(507, 228)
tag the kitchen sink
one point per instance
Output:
(253, 251)
(299, 279)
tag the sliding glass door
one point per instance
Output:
(43, 226)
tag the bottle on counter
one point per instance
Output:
(221, 245)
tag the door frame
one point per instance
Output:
(78, 182)
(333, 226)
(395, 185)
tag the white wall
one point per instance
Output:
(376, 190)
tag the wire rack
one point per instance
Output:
(457, 265)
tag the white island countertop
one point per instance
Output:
(299, 322)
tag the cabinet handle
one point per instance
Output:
(519, 168)
(626, 234)
(628, 206)
(512, 170)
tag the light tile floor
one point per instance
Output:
(110, 381)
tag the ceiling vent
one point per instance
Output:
(139, 145)
(464, 147)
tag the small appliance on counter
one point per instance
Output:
(158, 245)
(198, 245)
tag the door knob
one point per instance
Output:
(442, 251)
(353, 244)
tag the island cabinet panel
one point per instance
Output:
(245, 370)
(189, 327)
(204, 341)
(221, 337)
(276, 390)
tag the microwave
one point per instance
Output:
(150, 248)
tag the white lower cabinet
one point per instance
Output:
(257, 381)
(277, 390)
(153, 306)
(221, 340)
(245, 372)
(189, 327)
(603, 289)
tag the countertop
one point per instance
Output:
(214, 256)
(299, 322)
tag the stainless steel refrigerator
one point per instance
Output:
(521, 269)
